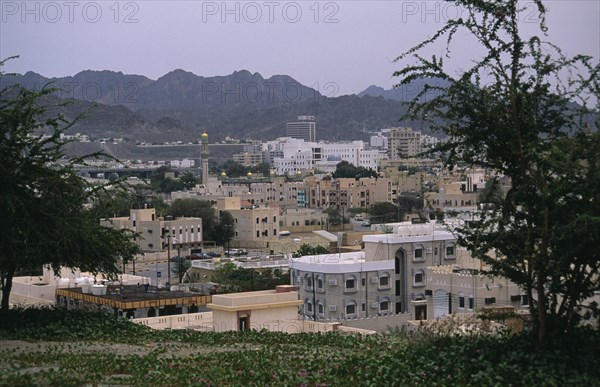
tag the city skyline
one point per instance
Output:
(336, 48)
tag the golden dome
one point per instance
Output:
(223, 173)
(249, 174)
(204, 135)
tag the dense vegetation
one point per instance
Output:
(73, 348)
(526, 111)
(49, 215)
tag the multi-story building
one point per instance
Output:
(255, 226)
(304, 128)
(347, 193)
(159, 234)
(403, 143)
(298, 156)
(248, 159)
(458, 194)
(389, 276)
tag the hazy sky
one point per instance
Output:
(338, 47)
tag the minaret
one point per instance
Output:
(204, 151)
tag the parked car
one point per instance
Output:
(358, 218)
(366, 223)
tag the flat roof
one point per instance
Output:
(133, 296)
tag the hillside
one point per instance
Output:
(71, 348)
(180, 104)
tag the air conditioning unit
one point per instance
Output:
(374, 305)
(490, 300)
(374, 280)
(333, 283)
(332, 308)
(515, 297)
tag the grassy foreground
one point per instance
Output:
(73, 348)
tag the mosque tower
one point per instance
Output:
(204, 151)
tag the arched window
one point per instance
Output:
(350, 309)
(384, 305)
(471, 301)
(419, 277)
(399, 261)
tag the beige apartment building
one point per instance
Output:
(156, 234)
(255, 227)
(347, 193)
(403, 143)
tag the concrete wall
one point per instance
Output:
(197, 321)
(380, 324)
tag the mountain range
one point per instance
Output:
(180, 105)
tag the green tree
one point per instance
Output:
(385, 212)
(45, 217)
(180, 266)
(224, 229)
(306, 249)
(513, 112)
(188, 180)
(197, 209)
(344, 169)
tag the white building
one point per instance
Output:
(299, 156)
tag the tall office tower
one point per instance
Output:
(305, 128)
(204, 151)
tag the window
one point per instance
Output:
(309, 306)
(320, 309)
(350, 309)
(363, 281)
(319, 283)
(419, 278)
(257, 234)
(309, 282)
(384, 306)
(384, 281)
(257, 220)
(524, 300)
(450, 251)
(351, 283)
(461, 300)
(418, 252)
(471, 302)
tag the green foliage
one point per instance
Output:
(93, 348)
(212, 229)
(523, 110)
(49, 215)
(179, 267)
(345, 169)
(232, 279)
(306, 249)
(385, 212)
(335, 217)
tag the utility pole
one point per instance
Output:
(168, 236)
(180, 266)
(314, 285)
